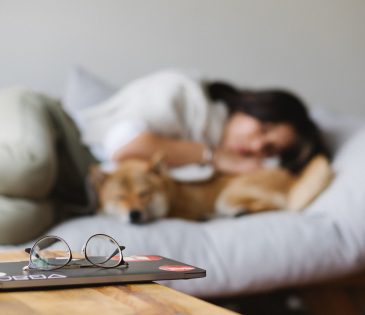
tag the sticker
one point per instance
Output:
(6, 278)
(178, 268)
(37, 277)
(139, 258)
(22, 277)
(2, 274)
(142, 258)
(56, 276)
(31, 277)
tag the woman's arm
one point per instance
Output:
(179, 152)
(176, 151)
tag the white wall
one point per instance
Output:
(315, 47)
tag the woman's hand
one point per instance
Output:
(230, 162)
(181, 152)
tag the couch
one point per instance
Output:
(241, 255)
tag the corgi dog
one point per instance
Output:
(140, 191)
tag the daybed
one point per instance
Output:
(246, 254)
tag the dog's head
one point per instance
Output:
(136, 191)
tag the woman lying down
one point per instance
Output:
(192, 122)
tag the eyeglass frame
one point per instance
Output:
(120, 248)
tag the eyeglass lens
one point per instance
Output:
(50, 253)
(101, 250)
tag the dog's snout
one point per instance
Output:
(135, 216)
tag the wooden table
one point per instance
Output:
(146, 299)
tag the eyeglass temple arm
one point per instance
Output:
(113, 254)
(116, 252)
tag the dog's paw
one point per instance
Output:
(223, 208)
(241, 214)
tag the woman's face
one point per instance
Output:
(247, 135)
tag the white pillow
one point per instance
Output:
(337, 127)
(84, 89)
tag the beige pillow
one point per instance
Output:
(27, 155)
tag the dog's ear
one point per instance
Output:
(158, 164)
(97, 176)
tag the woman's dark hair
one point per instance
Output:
(276, 106)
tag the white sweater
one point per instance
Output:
(169, 103)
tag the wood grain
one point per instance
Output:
(146, 299)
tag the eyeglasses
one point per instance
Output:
(52, 252)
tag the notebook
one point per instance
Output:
(140, 269)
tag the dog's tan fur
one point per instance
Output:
(144, 187)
